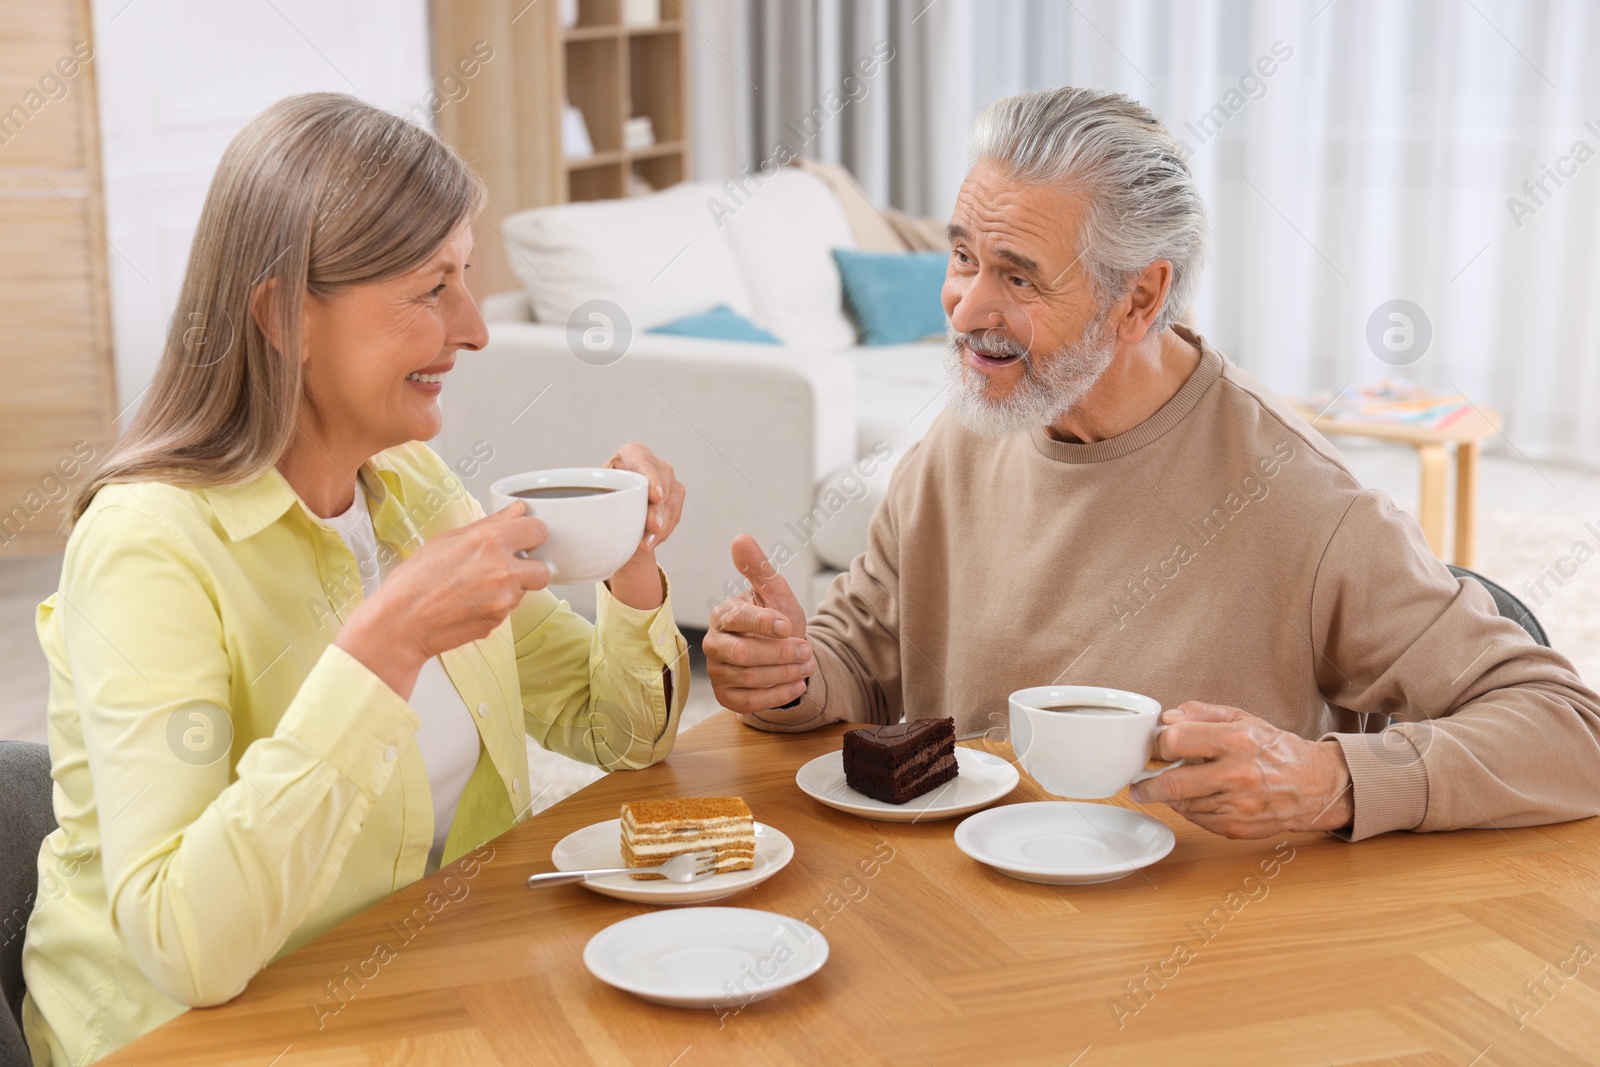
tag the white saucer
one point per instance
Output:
(600, 845)
(983, 779)
(705, 957)
(1063, 842)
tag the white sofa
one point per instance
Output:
(791, 443)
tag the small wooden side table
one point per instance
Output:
(1465, 434)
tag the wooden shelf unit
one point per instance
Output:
(509, 124)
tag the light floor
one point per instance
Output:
(1533, 520)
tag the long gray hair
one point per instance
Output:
(317, 192)
(1140, 201)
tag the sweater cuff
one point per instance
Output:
(1389, 781)
(806, 715)
(351, 719)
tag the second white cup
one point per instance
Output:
(1084, 741)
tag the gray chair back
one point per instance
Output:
(1507, 604)
(26, 818)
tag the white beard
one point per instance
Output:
(1047, 389)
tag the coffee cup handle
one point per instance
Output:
(525, 553)
(1150, 772)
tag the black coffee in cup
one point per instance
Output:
(1085, 709)
(555, 492)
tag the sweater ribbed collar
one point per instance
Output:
(1167, 417)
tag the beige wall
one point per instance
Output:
(56, 398)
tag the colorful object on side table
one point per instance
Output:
(1392, 402)
(718, 324)
(893, 296)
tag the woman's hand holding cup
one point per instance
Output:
(637, 582)
(456, 588)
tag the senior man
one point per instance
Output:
(1109, 501)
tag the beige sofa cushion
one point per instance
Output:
(783, 235)
(659, 257)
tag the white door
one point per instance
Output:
(177, 79)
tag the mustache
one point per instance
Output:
(989, 344)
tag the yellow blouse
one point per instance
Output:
(230, 785)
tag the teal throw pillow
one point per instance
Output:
(718, 324)
(894, 296)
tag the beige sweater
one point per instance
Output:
(1220, 551)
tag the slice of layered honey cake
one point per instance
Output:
(653, 831)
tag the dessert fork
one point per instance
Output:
(685, 867)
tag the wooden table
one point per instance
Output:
(1465, 435)
(1405, 949)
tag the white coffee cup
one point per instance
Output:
(591, 533)
(1083, 741)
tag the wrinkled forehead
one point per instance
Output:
(1028, 224)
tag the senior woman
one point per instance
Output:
(292, 663)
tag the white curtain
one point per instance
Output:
(1384, 157)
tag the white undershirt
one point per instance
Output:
(447, 737)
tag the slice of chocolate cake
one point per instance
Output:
(901, 761)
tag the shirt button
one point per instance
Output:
(483, 709)
(516, 786)
(391, 754)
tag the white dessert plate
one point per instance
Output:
(1063, 842)
(983, 778)
(705, 957)
(600, 845)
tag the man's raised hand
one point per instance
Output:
(756, 651)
